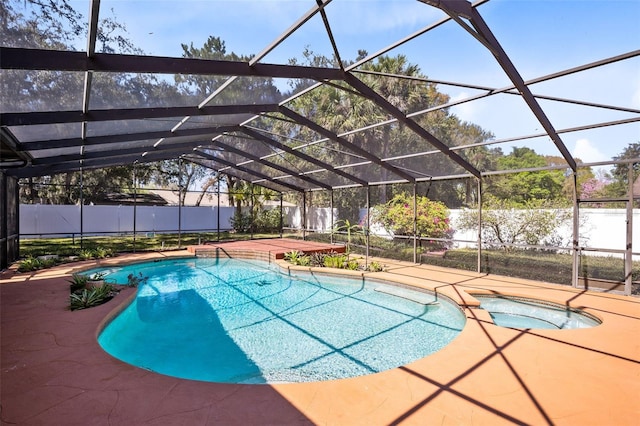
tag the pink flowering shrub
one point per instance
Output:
(591, 188)
(397, 216)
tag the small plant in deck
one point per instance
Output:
(317, 258)
(375, 266)
(89, 297)
(78, 282)
(30, 264)
(350, 228)
(335, 261)
(297, 257)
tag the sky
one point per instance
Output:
(540, 36)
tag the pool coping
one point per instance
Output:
(487, 375)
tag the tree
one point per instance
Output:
(254, 196)
(620, 172)
(340, 109)
(507, 223)
(55, 24)
(523, 187)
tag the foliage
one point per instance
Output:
(297, 257)
(95, 253)
(432, 217)
(340, 110)
(117, 244)
(350, 228)
(78, 282)
(540, 266)
(620, 173)
(592, 188)
(241, 222)
(375, 266)
(522, 187)
(336, 261)
(328, 260)
(267, 220)
(89, 297)
(29, 264)
(505, 223)
(317, 258)
(55, 24)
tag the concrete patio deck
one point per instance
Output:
(54, 371)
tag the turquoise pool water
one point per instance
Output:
(241, 321)
(527, 313)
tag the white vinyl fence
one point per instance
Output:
(600, 228)
(63, 220)
(42, 220)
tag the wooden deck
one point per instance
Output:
(269, 249)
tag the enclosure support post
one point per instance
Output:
(81, 208)
(628, 259)
(218, 213)
(415, 223)
(134, 208)
(304, 215)
(367, 233)
(281, 214)
(251, 215)
(179, 202)
(332, 218)
(479, 260)
(575, 267)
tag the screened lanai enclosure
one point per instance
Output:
(496, 136)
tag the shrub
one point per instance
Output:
(296, 257)
(505, 224)
(375, 267)
(432, 217)
(335, 261)
(352, 265)
(267, 221)
(78, 282)
(91, 297)
(241, 222)
(29, 264)
(317, 258)
(101, 253)
(86, 254)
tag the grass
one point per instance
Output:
(124, 244)
(542, 266)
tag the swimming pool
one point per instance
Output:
(517, 312)
(243, 321)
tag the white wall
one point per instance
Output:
(318, 218)
(42, 219)
(601, 228)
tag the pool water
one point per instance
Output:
(242, 321)
(527, 313)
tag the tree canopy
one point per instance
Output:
(335, 106)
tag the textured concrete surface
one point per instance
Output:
(54, 372)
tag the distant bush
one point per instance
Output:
(397, 216)
(264, 221)
(540, 266)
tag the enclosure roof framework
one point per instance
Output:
(95, 120)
